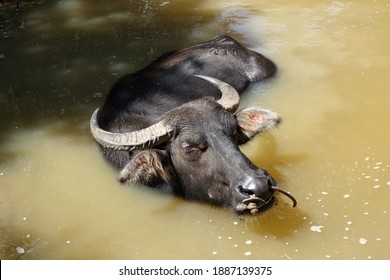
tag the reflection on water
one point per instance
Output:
(60, 200)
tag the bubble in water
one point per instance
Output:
(316, 228)
(363, 241)
(20, 250)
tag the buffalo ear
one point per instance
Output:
(252, 121)
(147, 167)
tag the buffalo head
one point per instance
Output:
(193, 151)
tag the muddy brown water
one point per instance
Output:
(60, 200)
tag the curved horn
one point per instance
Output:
(152, 135)
(230, 98)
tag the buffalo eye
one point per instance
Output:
(193, 151)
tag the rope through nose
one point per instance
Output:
(286, 194)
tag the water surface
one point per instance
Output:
(60, 200)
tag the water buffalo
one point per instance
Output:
(173, 126)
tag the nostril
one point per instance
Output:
(253, 187)
(271, 182)
(244, 191)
